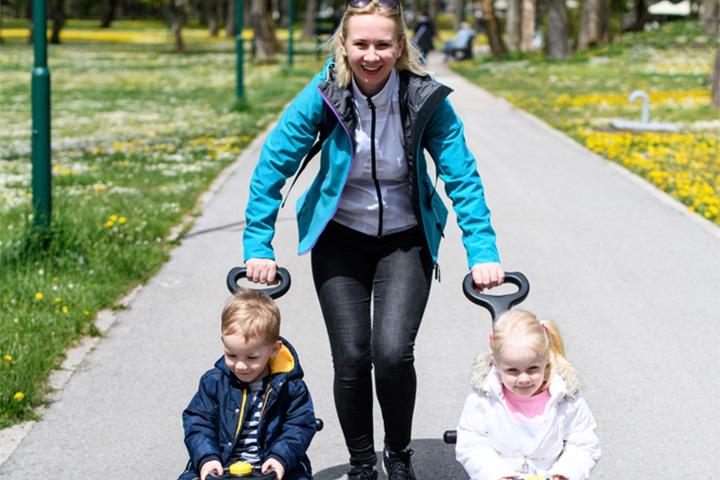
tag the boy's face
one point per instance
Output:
(248, 359)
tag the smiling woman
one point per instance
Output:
(371, 218)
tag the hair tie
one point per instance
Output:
(544, 325)
(490, 340)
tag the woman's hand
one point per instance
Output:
(261, 270)
(213, 466)
(487, 275)
(274, 465)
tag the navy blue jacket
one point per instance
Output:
(214, 417)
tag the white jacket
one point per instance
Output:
(489, 449)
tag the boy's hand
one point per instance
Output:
(213, 466)
(272, 464)
(487, 275)
(261, 270)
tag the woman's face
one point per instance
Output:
(372, 48)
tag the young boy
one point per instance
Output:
(253, 406)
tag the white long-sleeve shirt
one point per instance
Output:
(376, 201)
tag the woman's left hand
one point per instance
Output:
(487, 275)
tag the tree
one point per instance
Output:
(265, 43)
(178, 13)
(715, 88)
(230, 20)
(309, 24)
(512, 24)
(213, 12)
(527, 25)
(558, 41)
(709, 12)
(109, 15)
(497, 46)
(594, 23)
(57, 14)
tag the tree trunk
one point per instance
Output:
(527, 30)
(589, 33)
(459, 14)
(641, 16)
(177, 11)
(604, 18)
(309, 23)
(715, 84)
(709, 14)
(432, 8)
(211, 12)
(266, 43)
(230, 21)
(558, 36)
(512, 24)
(497, 46)
(109, 15)
(58, 18)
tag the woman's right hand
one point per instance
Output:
(261, 270)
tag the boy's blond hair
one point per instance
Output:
(253, 315)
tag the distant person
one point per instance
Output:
(462, 42)
(425, 32)
(525, 415)
(253, 406)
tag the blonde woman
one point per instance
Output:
(525, 415)
(371, 218)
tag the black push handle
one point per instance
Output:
(450, 436)
(498, 304)
(276, 291)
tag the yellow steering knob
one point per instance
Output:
(240, 468)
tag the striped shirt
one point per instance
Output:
(246, 447)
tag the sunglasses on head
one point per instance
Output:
(389, 4)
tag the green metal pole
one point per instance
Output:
(239, 48)
(41, 169)
(291, 31)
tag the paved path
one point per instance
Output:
(632, 279)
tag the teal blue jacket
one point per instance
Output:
(429, 123)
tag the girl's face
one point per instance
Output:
(522, 369)
(372, 48)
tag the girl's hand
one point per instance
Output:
(274, 465)
(213, 466)
(487, 275)
(261, 270)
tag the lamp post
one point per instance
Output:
(41, 170)
(239, 53)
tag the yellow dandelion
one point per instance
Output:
(7, 357)
(65, 309)
(121, 220)
(57, 299)
(18, 396)
(113, 218)
(109, 224)
(39, 296)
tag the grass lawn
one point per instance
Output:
(138, 133)
(580, 96)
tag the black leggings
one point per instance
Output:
(349, 269)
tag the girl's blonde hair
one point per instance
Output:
(543, 336)
(253, 315)
(409, 56)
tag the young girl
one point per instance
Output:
(526, 415)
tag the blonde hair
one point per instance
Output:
(543, 336)
(253, 315)
(409, 56)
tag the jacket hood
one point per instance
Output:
(485, 379)
(284, 366)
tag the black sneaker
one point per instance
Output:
(362, 472)
(398, 465)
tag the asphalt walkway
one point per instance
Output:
(631, 277)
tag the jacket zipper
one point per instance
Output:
(373, 161)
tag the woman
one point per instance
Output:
(372, 218)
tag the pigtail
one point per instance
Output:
(558, 363)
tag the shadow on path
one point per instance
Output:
(433, 460)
